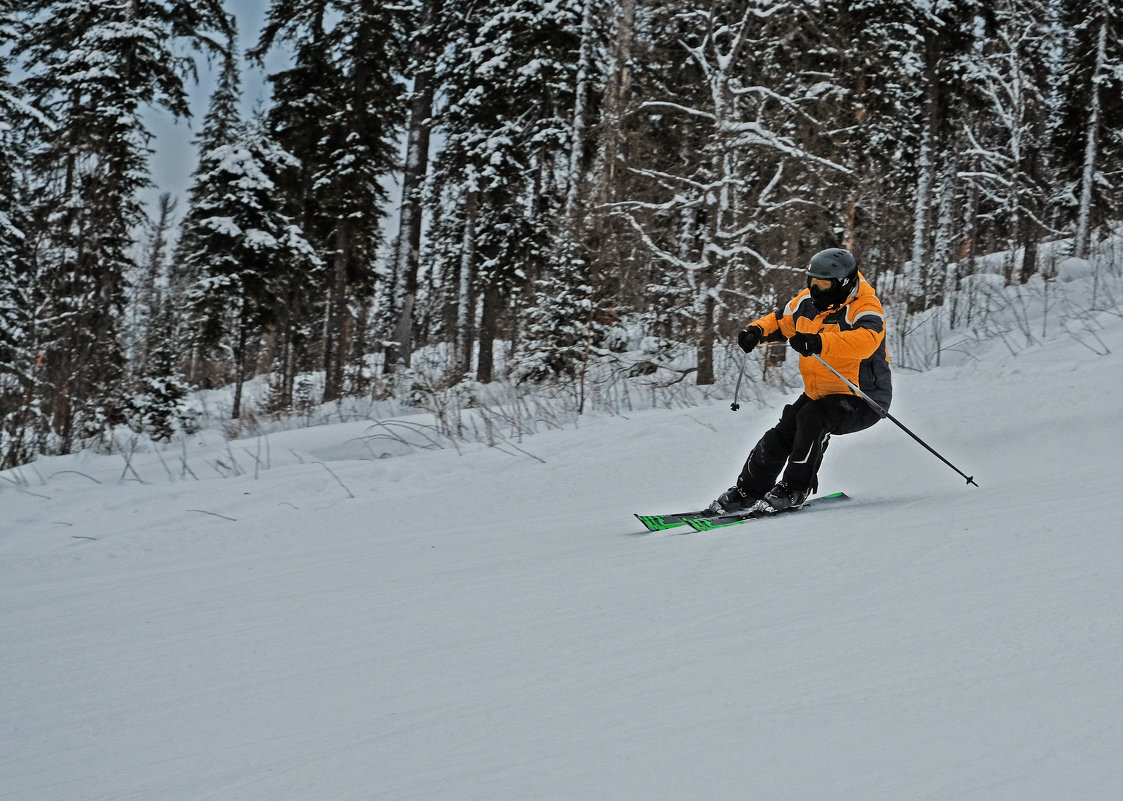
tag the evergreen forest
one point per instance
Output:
(458, 194)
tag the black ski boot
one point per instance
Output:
(732, 500)
(782, 498)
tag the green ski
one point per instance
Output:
(710, 522)
(664, 522)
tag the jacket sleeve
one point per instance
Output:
(779, 326)
(863, 338)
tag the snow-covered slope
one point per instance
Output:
(495, 625)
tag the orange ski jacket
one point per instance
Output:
(853, 343)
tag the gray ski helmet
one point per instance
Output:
(833, 263)
(840, 268)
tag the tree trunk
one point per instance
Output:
(333, 325)
(240, 362)
(918, 270)
(489, 326)
(407, 256)
(577, 131)
(1034, 202)
(918, 281)
(615, 100)
(945, 234)
(706, 339)
(1013, 218)
(1083, 222)
(1029, 255)
(148, 300)
(971, 231)
(462, 364)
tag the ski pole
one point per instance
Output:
(735, 405)
(884, 415)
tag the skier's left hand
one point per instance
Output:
(806, 344)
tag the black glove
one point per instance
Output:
(750, 338)
(806, 344)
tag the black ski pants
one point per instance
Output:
(796, 443)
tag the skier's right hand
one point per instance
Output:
(750, 337)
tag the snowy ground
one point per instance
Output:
(495, 625)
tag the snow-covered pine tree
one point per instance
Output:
(508, 80)
(222, 126)
(1088, 136)
(362, 137)
(223, 120)
(610, 131)
(566, 321)
(156, 404)
(875, 66)
(94, 67)
(1005, 160)
(302, 102)
(343, 107)
(15, 113)
(13, 234)
(560, 326)
(242, 247)
(150, 286)
(944, 36)
(17, 285)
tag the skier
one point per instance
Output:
(839, 318)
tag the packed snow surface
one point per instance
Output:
(293, 618)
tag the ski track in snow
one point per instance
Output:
(486, 626)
